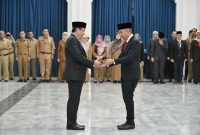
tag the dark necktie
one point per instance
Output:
(124, 46)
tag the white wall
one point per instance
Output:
(80, 10)
(187, 15)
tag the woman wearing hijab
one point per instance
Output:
(99, 53)
(86, 45)
(107, 42)
(195, 58)
(61, 56)
(115, 51)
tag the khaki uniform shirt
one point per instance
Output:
(189, 41)
(22, 46)
(61, 50)
(46, 45)
(33, 44)
(11, 45)
(4, 44)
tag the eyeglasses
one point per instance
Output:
(82, 29)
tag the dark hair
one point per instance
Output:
(190, 31)
(179, 32)
(194, 29)
(74, 29)
(45, 28)
(161, 35)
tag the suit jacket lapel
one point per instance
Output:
(128, 46)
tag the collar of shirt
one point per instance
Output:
(22, 39)
(129, 38)
(31, 39)
(76, 36)
(45, 37)
(179, 41)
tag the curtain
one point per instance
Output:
(150, 15)
(106, 14)
(18, 15)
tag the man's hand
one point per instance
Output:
(16, 58)
(4, 48)
(109, 61)
(172, 60)
(29, 58)
(152, 59)
(191, 60)
(97, 64)
(142, 63)
(168, 58)
(58, 60)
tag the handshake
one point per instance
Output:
(103, 63)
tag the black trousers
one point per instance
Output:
(169, 69)
(159, 69)
(151, 69)
(196, 71)
(186, 70)
(178, 70)
(75, 88)
(128, 88)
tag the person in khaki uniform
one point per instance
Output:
(86, 46)
(99, 53)
(45, 53)
(4, 52)
(115, 51)
(11, 43)
(33, 43)
(189, 40)
(22, 56)
(107, 42)
(61, 56)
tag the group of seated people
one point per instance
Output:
(165, 58)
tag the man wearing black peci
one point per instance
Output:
(178, 55)
(130, 71)
(75, 71)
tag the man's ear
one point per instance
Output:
(77, 29)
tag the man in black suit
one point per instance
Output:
(195, 58)
(75, 71)
(169, 68)
(130, 71)
(178, 54)
(151, 64)
(158, 53)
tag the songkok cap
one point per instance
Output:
(79, 24)
(124, 26)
